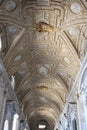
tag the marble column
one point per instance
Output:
(82, 112)
(82, 102)
(2, 102)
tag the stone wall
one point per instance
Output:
(11, 116)
(74, 115)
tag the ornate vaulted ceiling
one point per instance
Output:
(43, 42)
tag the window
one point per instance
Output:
(0, 43)
(42, 126)
(25, 129)
(6, 125)
(15, 122)
(12, 81)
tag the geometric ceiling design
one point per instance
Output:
(43, 44)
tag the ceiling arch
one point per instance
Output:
(43, 43)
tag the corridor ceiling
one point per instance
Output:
(43, 44)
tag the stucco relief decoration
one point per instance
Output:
(10, 5)
(43, 27)
(76, 8)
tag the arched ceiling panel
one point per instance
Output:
(43, 42)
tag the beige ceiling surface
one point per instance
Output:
(43, 43)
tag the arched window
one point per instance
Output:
(15, 122)
(13, 81)
(6, 125)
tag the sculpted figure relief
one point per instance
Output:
(43, 27)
